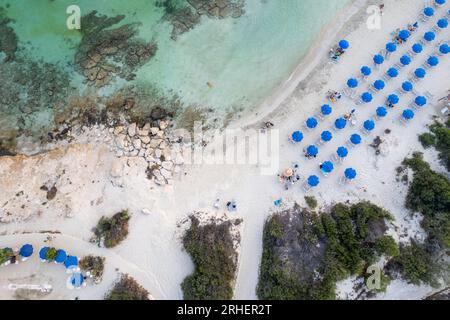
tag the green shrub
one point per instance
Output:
(113, 230)
(387, 246)
(353, 237)
(127, 289)
(311, 202)
(429, 194)
(94, 264)
(442, 137)
(51, 254)
(417, 264)
(5, 255)
(212, 252)
(427, 139)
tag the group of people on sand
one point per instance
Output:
(389, 104)
(350, 116)
(289, 176)
(231, 205)
(333, 96)
(412, 27)
(336, 53)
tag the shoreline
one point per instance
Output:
(312, 59)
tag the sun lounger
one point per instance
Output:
(428, 95)
(306, 187)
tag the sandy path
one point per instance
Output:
(74, 246)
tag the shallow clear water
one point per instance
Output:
(242, 59)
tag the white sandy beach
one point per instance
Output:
(93, 182)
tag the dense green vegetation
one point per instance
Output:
(211, 249)
(51, 254)
(352, 237)
(311, 202)
(93, 264)
(113, 230)
(5, 255)
(439, 137)
(427, 140)
(127, 289)
(429, 194)
(417, 264)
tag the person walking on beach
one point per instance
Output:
(231, 205)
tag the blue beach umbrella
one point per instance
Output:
(340, 123)
(352, 83)
(439, 2)
(369, 125)
(344, 44)
(393, 98)
(428, 11)
(444, 48)
(420, 73)
(326, 109)
(366, 71)
(350, 173)
(327, 166)
(26, 250)
(391, 47)
(404, 35)
(61, 256)
(405, 60)
(71, 262)
(381, 112)
(313, 181)
(392, 72)
(43, 253)
(417, 48)
(326, 136)
(442, 23)
(378, 59)
(407, 86)
(408, 114)
(76, 279)
(429, 36)
(366, 97)
(297, 136)
(433, 61)
(312, 150)
(379, 84)
(342, 152)
(311, 123)
(355, 138)
(420, 101)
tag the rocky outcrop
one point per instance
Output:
(219, 8)
(8, 38)
(105, 51)
(185, 17)
(163, 156)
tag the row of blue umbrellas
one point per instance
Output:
(342, 152)
(378, 59)
(328, 167)
(61, 257)
(407, 86)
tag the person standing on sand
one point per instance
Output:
(381, 6)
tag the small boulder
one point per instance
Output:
(132, 130)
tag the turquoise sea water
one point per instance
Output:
(242, 59)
